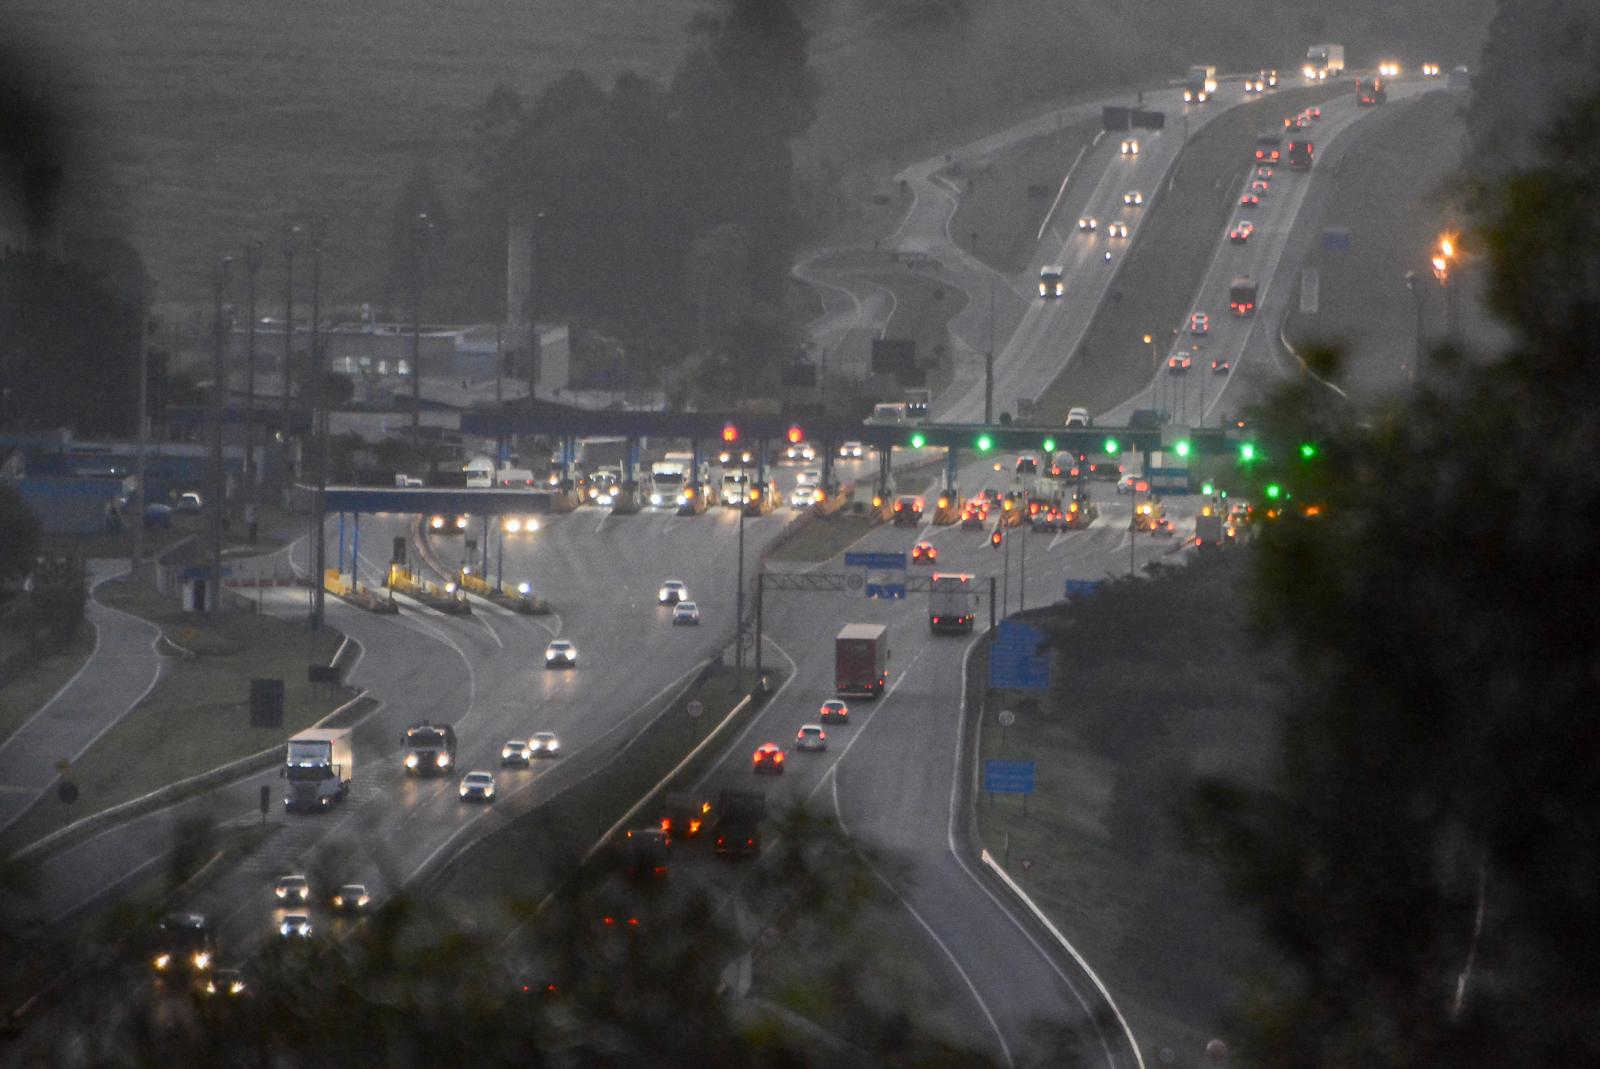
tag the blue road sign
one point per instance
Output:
(1014, 660)
(1082, 588)
(879, 561)
(1335, 239)
(887, 591)
(1008, 777)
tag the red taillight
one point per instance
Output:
(666, 823)
(694, 827)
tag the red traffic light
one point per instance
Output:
(996, 538)
(796, 435)
(730, 433)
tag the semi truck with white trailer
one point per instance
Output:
(1323, 62)
(319, 766)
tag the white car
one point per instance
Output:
(811, 737)
(672, 591)
(514, 752)
(292, 889)
(686, 612)
(1117, 229)
(1088, 223)
(1079, 417)
(477, 787)
(1133, 198)
(1128, 482)
(803, 497)
(518, 524)
(851, 451)
(1130, 146)
(190, 502)
(544, 744)
(809, 477)
(351, 898)
(295, 926)
(561, 654)
(803, 452)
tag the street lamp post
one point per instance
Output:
(219, 395)
(424, 226)
(319, 427)
(254, 255)
(142, 429)
(1443, 263)
(1419, 295)
(291, 244)
(738, 597)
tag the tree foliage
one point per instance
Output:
(633, 188)
(19, 537)
(1434, 577)
(70, 351)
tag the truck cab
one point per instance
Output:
(430, 749)
(319, 764)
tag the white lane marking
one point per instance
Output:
(972, 988)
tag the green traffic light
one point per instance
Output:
(1247, 451)
(1207, 489)
(1111, 447)
(1274, 491)
(1308, 450)
(918, 441)
(985, 443)
(1049, 445)
(1181, 447)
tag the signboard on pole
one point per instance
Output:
(1008, 777)
(885, 573)
(266, 703)
(1015, 662)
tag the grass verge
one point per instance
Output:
(826, 536)
(1390, 192)
(523, 861)
(26, 693)
(998, 219)
(1118, 748)
(198, 715)
(1171, 249)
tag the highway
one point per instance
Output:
(1248, 345)
(895, 776)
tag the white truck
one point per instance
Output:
(319, 766)
(952, 603)
(1199, 86)
(667, 481)
(1323, 62)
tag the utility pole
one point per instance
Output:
(219, 400)
(738, 596)
(254, 255)
(142, 419)
(424, 225)
(988, 364)
(291, 243)
(1419, 293)
(1022, 582)
(319, 426)
(532, 311)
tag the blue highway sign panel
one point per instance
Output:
(1014, 663)
(1008, 777)
(878, 561)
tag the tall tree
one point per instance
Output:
(68, 347)
(1428, 858)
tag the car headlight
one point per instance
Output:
(282, 892)
(443, 760)
(201, 960)
(505, 752)
(488, 791)
(162, 962)
(463, 790)
(513, 525)
(338, 900)
(411, 760)
(524, 588)
(553, 745)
